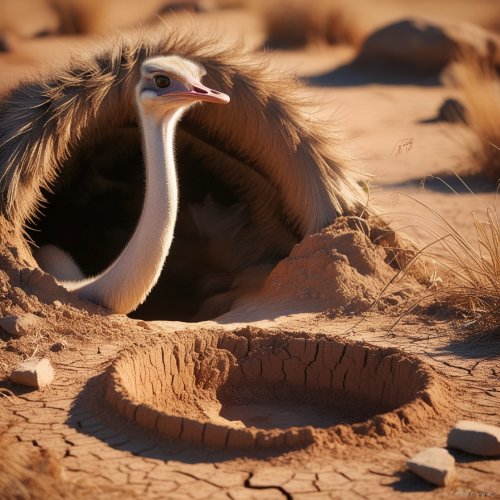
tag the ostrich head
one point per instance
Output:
(170, 83)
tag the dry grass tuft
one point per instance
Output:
(463, 276)
(297, 23)
(480, 84)
(471, 284)
(38, 475)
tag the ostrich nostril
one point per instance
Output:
(201, 91)
(215, 92)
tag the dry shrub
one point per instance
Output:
(103, 16)
(471, 285)
(463, 277)
(480, 84)
(297, 23)
(38, 475)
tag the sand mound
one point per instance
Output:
(342, 270)
(253, 389)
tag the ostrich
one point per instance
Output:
(168, 86)
(255, 176)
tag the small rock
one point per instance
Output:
(67, 314)
(57, 304)
(435, 465)
(17, 326)
(33, 372)
(58, 346)
(452, 111)
(476, 438)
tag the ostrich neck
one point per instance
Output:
(128, 280)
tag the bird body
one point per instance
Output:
(168, 86)
(255, 177)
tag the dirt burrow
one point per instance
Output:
(182, 388)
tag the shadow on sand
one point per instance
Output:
(410, 483)
(359, 72)
(449, 183)
(482, 347)
(90, 415)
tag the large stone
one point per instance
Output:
(427, 46)
(17, 326)
(476, 438)
(33, 372)
(435, 465)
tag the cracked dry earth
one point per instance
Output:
(304, 405)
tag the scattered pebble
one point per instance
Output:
(57, 304)
(58, 346)
(17, 326)
(68, 314)
(476, 438)
(452, 111)
(435, 465)
(33, 372)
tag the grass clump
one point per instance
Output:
(462, 275)
(471, 283)
(480, 84)
(37, 474)
(298, 23)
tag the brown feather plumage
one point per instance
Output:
(263, 145)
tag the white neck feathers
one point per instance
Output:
(126, 283)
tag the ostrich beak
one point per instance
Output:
(200, 92)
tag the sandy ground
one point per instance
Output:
(92, 422)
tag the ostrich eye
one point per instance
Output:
(162, 81)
